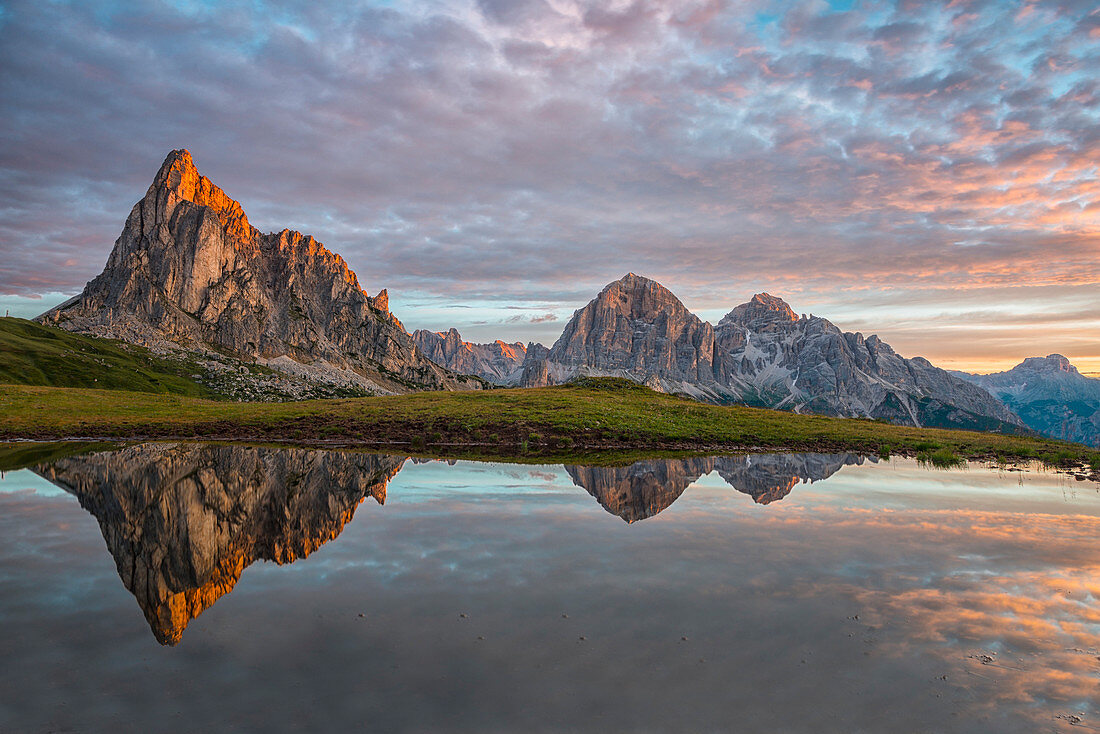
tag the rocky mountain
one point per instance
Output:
(189, 270)
(635, 328)
(645, 488)
(761, 353)
(498, 363)
(183, 521)
(1050, 395)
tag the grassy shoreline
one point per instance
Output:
(596, 415)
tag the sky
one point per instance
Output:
(926, 171)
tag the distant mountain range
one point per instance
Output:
(189, 271)
(1050, 395)
(761, 353)
(499, 363)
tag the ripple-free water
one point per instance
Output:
(196, 587)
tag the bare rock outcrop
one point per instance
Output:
(189, 269)
(635, 328)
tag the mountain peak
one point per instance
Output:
(762, 307)
(633, 281)
(638, 297)
(179, 177)
(1049, 363)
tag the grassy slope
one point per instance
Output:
(595, 414)
(32, 354)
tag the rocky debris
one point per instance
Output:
(646, 488)
(499, 363)
(183, 521)
(1050, 395)
(189, 269)
(761, 353)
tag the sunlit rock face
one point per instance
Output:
(183, 521)
(645, 488)
(761, 353)
(189, 269)
(499, 363)
(635, 328)
(1050, 395)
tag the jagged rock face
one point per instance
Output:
(498, 363)
(761, 353)
(183, 521)
(768, 356)
(190, 268)
(1050, 395)
(634, 328)
(646, 488)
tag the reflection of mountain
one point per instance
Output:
(770, 477)
(184, 520)
(642, 489)
(645, 488)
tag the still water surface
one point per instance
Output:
(201, 587)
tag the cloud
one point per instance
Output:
(496, 152)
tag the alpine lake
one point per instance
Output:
(164, 587)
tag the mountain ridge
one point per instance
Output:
(189, 270)
(1050, 395)
(761, 353)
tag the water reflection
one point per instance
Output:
(502, 598)
(645, 488)
(183, 521)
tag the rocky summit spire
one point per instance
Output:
(189, 269)
(178, 178)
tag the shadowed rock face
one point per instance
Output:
(646, 488)
(1050, 395)
(499, 363)
(183, 521)
(189, 269)
(760, 353)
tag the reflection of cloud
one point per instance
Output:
(1023, 591)
(1044, 623)
(491, 151)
